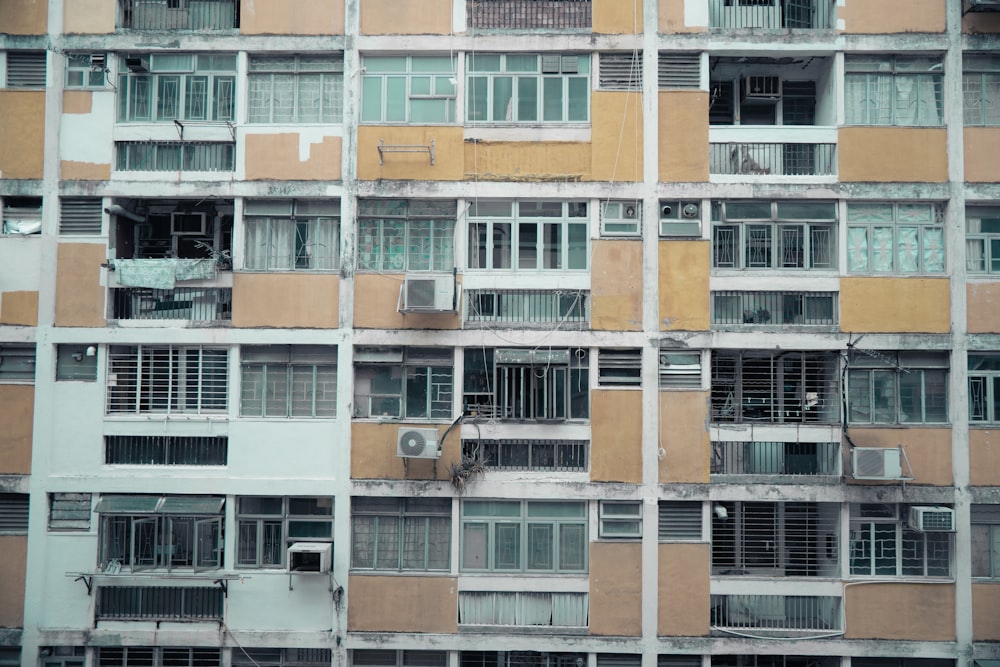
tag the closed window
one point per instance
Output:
(620, 519)
(528, 235)
(884, 544)
(984, 388)
(394, 658)
(898, 388)
(981, 89)
(762, 235)
(982, 240)
(144, 379)
(147, 656)
(289, 381)
(400, 533)
(268, 525)
(410, 383)
(406, 235)
(894, 90)
(282, 657)
(408, 89)
(899, 239)
(167, 87)
(13, 514)
(17, 363)
(86, 70)
(292, 235)
(296, 89)
(986, 541)
(527, 88)
(76, 362)
(524, 536)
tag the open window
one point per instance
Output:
(172, 228)
(771, 91)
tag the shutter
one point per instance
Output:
(620, 71)
(680, 369)
(678, 661)
(550, 64)
(679, 70)
(619, 367)
(80, 215)
(26, 69)
(13, 513)
(679, 520)
(986, 514)
(618, 660)
(69, 511)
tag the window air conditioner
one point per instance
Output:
(760, 88)
(680, 219)
(99, 62)
(137, 65)
(310, 557)
(932, 519)
(187, 224)
(877, 463)
(429, 294)
(417, 443)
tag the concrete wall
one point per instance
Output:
(927, 449)
(895, 305)
(616, 589)
(376, 300)
(983, 306)
(684, 292)
(13, 561)
(684, 437)
(887, 154)
(294, 156)
(286, 300)
(890, 16)
(528, 161)
(683, 128)
(311, 17)
(413, 17)
(616, 296)
(22, 130)
(23, 17)
(672, 16)
(919, 612)
(79, 294)
(685, 601)
(16, 422)
(402, 604)
(86, 146)
(616, 440)
(373, 453)
(89, 17)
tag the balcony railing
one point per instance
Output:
(776, 458)
(197, 304)
(533, 455)
(178, 14)
(776, 615)
(772, 159)
(755, 309)
(771, 14)
(529, 14)
(159, 603)
(569, 309)
(166, 450)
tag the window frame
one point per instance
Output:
(289, 362)
(376, 81)
(283, 520)
(988, 263)
(330, 70)
(17, 363)
(144, 398)
(868, 69)
(985, 523)
(557, 236)
(20, 216)
(90, 77)
(407, 512)
(217, 104)
(308, 223)
(980, 87)
(543, 74)
(412, 362)
(870, 379)
(871, 253)
(619, 519)
(901, 536)
(387, 239)
(774, 225)
(984, 388)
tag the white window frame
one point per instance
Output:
(923, 224)
(382, 385)
(982, 248)
(382, 535)
(278, 530)
(620, 520)
(291, 235)
(530, 240)
(172, 83)
(288, 381)
(767, 233)
(621, 219)
(81, 73)
(282, 79)
(377, 77)
(559, 72)
(981, 90)
(406, 235)
(896, 537)
(899, 76)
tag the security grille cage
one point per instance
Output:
(758, 309)
(281, 657)
(147, 656)
(529, 14)
(178, 14)
(777, 615)
(775, 458)
(167, 379)
(552, 455)
(164, 603)
(166, 450)
(567, 309)
(390, 658)
(774, 661)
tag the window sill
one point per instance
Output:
(534, 132)
(401, 573)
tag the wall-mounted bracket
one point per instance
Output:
(384, 148)
(179, 125)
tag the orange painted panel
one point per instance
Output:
(77, 101)
(22, 132)
(13, 562)
(927, 449)
(311, 17)
(887, 154)
(891, 16)
(918, 612)
(984, 456)
(376, 303)
(79, 294)
(889, 305)
(24, 17)
(449, 155)
(683, 127)
(986, 612)
(16, 424)
(19, 308)
(90, 17)
(84, 171)
(684, 293)
(670, 18)
(402, 604)
(616, 436)
(373, 454)
(982, 145)
(684, 437)
(983, 307)
(528, 161)
(286, 300)
(616, 136)
(616, 589)
(684, 598)
(617, 16)
(413, 17)
(616, 286)
(280, 157)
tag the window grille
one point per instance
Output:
(772, 159)
(80, 216)
(400, 533)
(289, 381)
(759, 309)
(894, 90)
(519, 659)
(268, 525)
(282, 657)
(883, 544)
(774, 235)
(175, 156)
(777, 615)
(523, 608)
(168, 87)
(679, 520)
(679, 70)
(69, 511)
(678, 661)
(196, 304)
(783, 661)
(539, 455)
(618, 660)
(984, 388)
(775, 458)
(26, 69)
(162, 603)
(178, 15)
(900, 239)
(619, 368)
(145, 379)
(394, 658)
(166, 450)
(567, 309)
(406, 235)
(529, 14)
(620, 71)
(13, 514)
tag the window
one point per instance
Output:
(548, 384)
(403, 383)
(981, 89)
(620, 71)
(541, 455)
(76, 362)
(894, 90)
(982, 240)
(680, 369)
(17, 363)
(292, 235)
(178, 15)
(761, 309)
(408, 89)
(679, 521)
(406, 235)
(984, 388)
(528, 88)
(392, 658)
(26, 69)
(774, 235)
(21, 215)
(528, 235)
(619, 368)
(621, 218)
(174, 156)
(144, 379)
(520, 658)
(188, 450)
(882, 544)
(10, 656)
(524, 536)
(161, 532)
(898, 388)
(986, 541)
(775, 458)
(86, 70)
(80, 216)
(779, 661)
(570, 610)
(296, 89)
(289, 381)
(183, 86)
(147, 656)
(69, 511)
(282, 657)
(896, 239)
(544, 309)
(268, 525)
(620, 519)
(760, 99)
(400, 533)
(13, 513)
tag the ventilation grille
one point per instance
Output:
(80, 215)
(620, 71)
(13, 513)
(679, 520)
(26, 69)
(679, 70)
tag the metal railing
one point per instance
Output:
(175, 156)
(197, 304)
(771, 14)
(529, 14)
(569, 309)
(167, 379)
(158, 603)
(178, 14)
(777, 615)
(776, 458)
(772, 159)
(166, 450)
(548, 455)
(755, 309)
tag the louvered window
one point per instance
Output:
(679, 70)
(80, 215)
(619, 368)
(678, 661)
(618, 660)
(679, 520)
(69, 511)
(620, 71)
(680, 369)
(17, 363)
(21, 215)
(13, 514)
(26, 69)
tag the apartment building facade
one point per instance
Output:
(474, 333)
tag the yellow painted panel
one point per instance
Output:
(616, 436)
(617, 16)
(19, 308)
(290, 300)
(84, 171)
(616, 136)
(376, 300)
(886, 154)
(895, 305)
(13, 560)
(280, 157)
(671, 18)
(402, 604)
(24, 17)
(310, 17)
(448, 153)
(890, 16)
(616, 286)
(984, 457)
(684, 437)
(616, 589)
(684, 598)
(919, 612)
(22, 132)
(413, 17)
(373, 454)
(79, 294)
(986, 612)
(90, 17)
(527, 161)
(983, 307)
(982, 145)
(77, 101)
(683, 127)
(16, 420)
(927, 449)
(684, 293)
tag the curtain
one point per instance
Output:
(882, 251)
(933, 250)
(570, 609)
(908, 249)
(534, 609)
(256, 244)
(975, 255)
(280, 244)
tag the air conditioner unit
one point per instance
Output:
(417, 443)
(932, 519)
(99, 62)
(137, 65)
(429, 294)
(877, 463)
(310, 557)
(187, 224)
(758, 88)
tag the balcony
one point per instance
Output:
(178, 14)
(529, 455)
(776, 615)
(194, 304)
(759, 158)
(490, 308)
(771, 14)
(529, 14)
(775, 459)
(753, 310)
